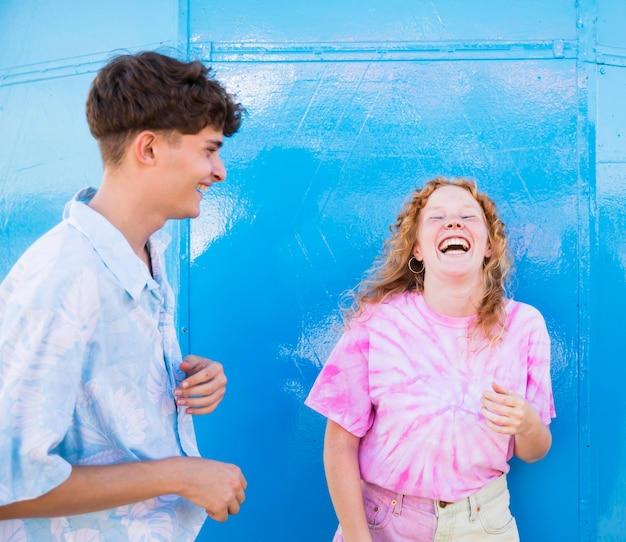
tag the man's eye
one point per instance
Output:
(468, 216)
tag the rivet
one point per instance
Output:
(375, 508)
(393, 503)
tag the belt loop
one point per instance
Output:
(397, 504)
(473, 508)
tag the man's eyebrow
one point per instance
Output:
(217, 142)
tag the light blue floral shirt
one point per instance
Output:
(88, 364)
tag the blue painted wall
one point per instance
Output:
(350, 106)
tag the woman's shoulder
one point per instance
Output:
(374, 311)
(519, 311)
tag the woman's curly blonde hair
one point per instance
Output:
(390, 273)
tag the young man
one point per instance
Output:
(96, 434)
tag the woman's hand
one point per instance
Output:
(508, 413)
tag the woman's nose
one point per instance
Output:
(454, 224)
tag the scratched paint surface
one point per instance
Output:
(49, 33)
(41, 165)
(324, 161)
(374, 20)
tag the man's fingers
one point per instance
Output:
(212, 372)
(192, 362)
(217, 516)
(241, 496)
(234, 506)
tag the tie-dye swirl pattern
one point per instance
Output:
(408, 381)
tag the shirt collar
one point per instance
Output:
(112, 246)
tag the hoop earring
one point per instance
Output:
(411, 259)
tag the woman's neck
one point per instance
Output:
(453, 298)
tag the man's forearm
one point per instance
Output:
(92, 488)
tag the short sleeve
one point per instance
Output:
(41, 353)
(539, 383)
(341, 391)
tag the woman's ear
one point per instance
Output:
(417, 253)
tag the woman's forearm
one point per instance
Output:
(533, 444)
(341, 462)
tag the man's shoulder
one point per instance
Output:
(62, 244)
(53, 259)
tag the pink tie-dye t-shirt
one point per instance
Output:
(408, 382)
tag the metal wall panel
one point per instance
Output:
(337, 135)
(241, 21)
(39, 32)
(321, 167)
(46, 154)
(607, 368)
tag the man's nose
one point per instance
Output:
(219, 171)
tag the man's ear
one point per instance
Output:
(488, 251)
(144, 147)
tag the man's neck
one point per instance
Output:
(127, 211)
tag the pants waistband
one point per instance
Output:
(483, 496)
(472, 503)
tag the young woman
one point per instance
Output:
(436, 382)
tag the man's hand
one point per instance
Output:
(204, 387)
(215, 486)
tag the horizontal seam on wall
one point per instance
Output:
(68, 67)
(383, 51)
(329, 52)
(610, 56)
